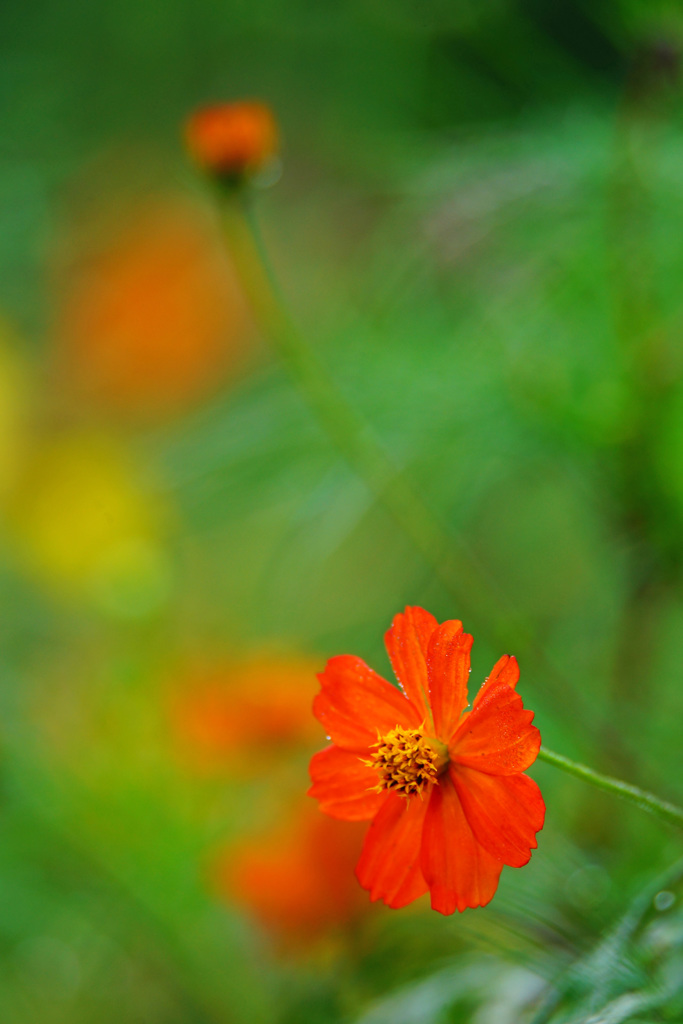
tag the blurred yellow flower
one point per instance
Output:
(84, 523)
(13, 398)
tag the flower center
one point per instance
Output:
(407, 761)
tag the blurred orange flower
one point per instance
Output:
(232, 140)
(222, 714)
(443, 787)
(151, 315)
(297, 878)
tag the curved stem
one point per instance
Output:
(641, 798)
(350, 433)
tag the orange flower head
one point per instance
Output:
(150, 318)
(232, 140)
(442, 785)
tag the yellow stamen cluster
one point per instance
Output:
(406, 761)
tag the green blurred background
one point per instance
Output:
(479, 228)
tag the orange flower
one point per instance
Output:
(443, 786)
(232, 140)
(151, 316)
(297, 878)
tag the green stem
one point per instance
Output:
(350, 433)
(646, 801)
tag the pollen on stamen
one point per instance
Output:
(406, 761)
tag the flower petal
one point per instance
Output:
(448, 669)
(355, 704)
(460, 873)
(506, 670)
(344, 785)
(407, 642)
(389, 866)
(496, 736)
(504, 812)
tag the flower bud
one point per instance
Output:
(232, 141)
